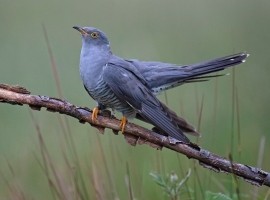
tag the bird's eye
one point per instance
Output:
(94, 35)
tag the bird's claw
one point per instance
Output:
(123, 124)
(94, 114)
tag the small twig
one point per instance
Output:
(134, 133)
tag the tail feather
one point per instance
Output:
(202, 78)
(166, 77)
(215, 65)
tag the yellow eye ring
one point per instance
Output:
(94, 35)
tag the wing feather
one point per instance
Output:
(128, 87)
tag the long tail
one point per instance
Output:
(165, 76)
(198, 70)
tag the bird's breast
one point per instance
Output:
(103, 94)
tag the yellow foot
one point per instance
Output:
(123, 124)
(94, 114)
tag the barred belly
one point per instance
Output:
(104, 95)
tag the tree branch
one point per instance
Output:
(134, 134)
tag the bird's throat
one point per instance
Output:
(92, 61)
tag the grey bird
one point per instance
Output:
(131, 86)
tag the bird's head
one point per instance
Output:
(92, 36)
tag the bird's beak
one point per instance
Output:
(80, 29)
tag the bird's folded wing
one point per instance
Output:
(127, 86)
(183, 124)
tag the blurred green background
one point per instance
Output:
(174, 31)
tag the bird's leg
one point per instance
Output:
(97, 110)
(94, 113)
(123, 124)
